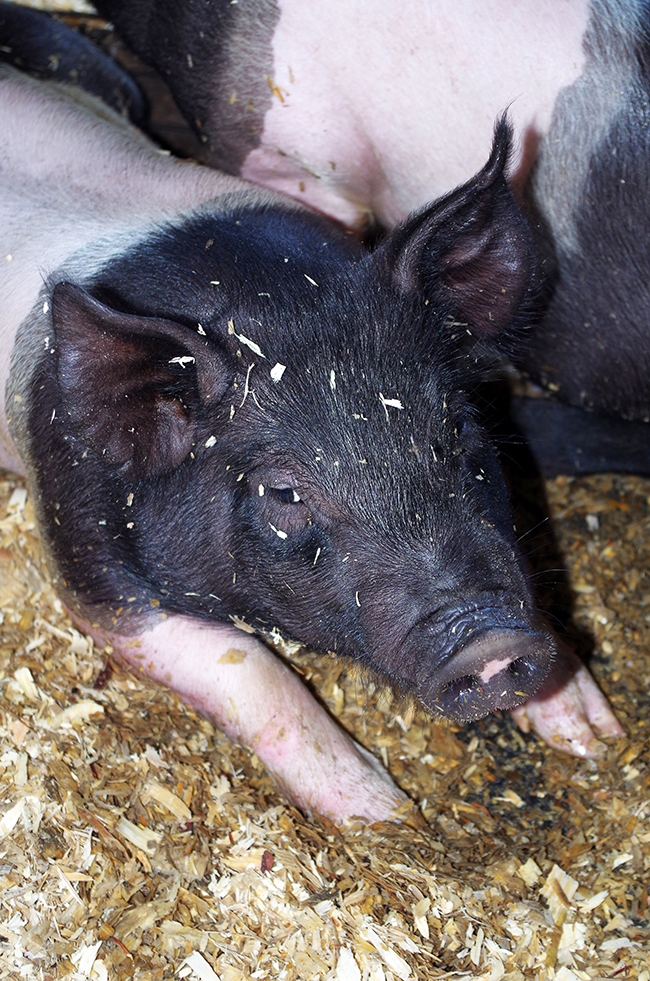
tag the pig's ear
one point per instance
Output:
(471, 248)
(132, 386)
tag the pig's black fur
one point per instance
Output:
(594, 344)
(311, 504)
(592, 348)
(566, 439)
(35, 42)
(233, 47)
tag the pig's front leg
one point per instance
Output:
(260, 703)
(569, 711)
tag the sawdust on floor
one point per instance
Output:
(137, 842)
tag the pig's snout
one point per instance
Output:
(499, 669)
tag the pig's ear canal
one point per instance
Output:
(132, 386)
(471, 249)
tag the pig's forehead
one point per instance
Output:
(349, 321)
(346, 446)
(326, 420)
(368, 387)
(379, 361)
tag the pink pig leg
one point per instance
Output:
(569, 711)
(260, 703)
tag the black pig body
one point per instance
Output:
(367, 112)
(589, 197)
(228, 409)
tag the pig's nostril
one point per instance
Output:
(524, 671)
(469, 697)
(458, 693)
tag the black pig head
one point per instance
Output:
(286, 436)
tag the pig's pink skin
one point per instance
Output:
(384, 107)
(259, 702)
(569, 712)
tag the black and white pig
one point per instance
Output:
(373, 109)
(228, 410)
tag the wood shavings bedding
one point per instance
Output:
(137, 842)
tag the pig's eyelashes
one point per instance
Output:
(286, 495)
(464, 432)
(282, 509)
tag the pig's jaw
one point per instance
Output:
(500, 669)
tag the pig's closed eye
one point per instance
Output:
(282, 510)
(462, 432)
(463, 422)
(286, 495)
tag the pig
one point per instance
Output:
(230, 412)
(34, 42)
(368, 112)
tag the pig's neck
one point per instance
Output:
(389, 123)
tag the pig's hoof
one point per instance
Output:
(569, 712)
(352, 785)
(386, 801)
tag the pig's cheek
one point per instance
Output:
(259, 702)
(570, 711)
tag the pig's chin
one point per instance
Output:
(499, 669)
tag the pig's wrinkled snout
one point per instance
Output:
(500, 669)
